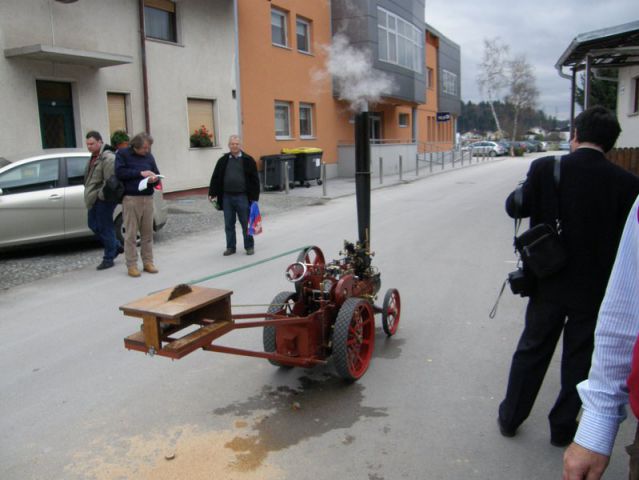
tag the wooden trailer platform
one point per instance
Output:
(167, 312)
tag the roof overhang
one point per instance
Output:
(51, 53)
(612, 47)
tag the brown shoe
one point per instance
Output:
(134, 272)
(150, 268)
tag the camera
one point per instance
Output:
(521, 283)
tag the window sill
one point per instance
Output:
(309, 137)
(284, 47)
(283, 138)
(308, 54)
(165, 42)
(213, 147)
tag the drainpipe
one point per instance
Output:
(238, 88)
(145, 82)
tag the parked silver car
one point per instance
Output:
(492, 149)
(42, 199)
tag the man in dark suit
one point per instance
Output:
(594, 199)
(235, 185)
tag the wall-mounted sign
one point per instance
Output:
(443, 116)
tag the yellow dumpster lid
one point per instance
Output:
(302, 150)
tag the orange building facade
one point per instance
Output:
(287, 98)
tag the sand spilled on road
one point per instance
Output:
(183, 452)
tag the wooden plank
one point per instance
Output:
(158, 304)
(197, 339)
(151, 330)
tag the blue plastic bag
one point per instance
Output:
(255, 220)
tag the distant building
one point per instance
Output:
(612, 47)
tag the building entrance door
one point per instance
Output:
(55, 106)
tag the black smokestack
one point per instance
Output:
(363, 177)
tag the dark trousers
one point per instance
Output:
(544, 324)
(633, 463)
(236, 205)
(100, 220)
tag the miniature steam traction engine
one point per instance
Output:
(330, 313)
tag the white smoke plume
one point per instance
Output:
(355, 79)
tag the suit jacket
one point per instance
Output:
(252, 180)
(595, 197)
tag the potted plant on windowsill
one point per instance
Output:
(201, 138)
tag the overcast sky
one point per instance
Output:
(541, 29)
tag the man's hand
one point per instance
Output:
(211, 198)
(583, 464)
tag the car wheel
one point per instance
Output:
(493, 153)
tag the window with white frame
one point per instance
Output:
(306, 120)
(404, 120)
(400, 42)
(279, 34)
(449, 82)
(282, 119)
(159, 20)
(303, 29)
(201, 116)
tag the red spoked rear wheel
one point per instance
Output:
(353, 338)
(391, 309)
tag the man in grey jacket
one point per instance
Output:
(100, 218)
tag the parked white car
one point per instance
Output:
(42, 199)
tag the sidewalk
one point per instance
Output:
(278, 200)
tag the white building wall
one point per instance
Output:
(201, 65)
(629, 121)
(80, 26)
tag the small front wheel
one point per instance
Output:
(282, 304)
(391, 309)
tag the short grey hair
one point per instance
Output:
(137, 142)
(231, 137)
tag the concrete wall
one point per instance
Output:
(629, 120)
(389, 153)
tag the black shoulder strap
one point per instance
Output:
(557, 178)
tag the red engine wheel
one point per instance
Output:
(353, 338)
(282, 304)
(391, 309)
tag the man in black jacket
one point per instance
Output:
(234, 185)
(594, 199)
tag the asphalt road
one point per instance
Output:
(77, 405)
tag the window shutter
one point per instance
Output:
(201, 113)
(166, 5)
(116, 104)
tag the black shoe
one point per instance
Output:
(104, 265)
(228, 251)
(506, 432)
(250, 251)
(118, 251)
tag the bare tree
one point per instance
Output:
(523, 91)
(492, 77)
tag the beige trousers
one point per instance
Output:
(137, 214)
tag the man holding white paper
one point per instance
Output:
(135, 166)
